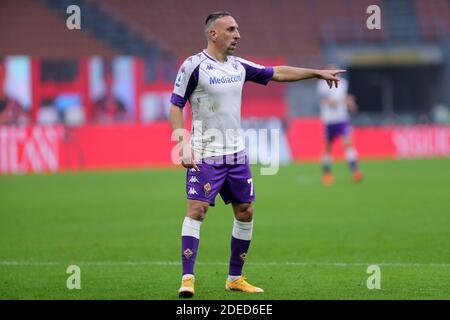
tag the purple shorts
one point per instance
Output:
(334, 130)
(230, 176)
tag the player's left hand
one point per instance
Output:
(331, 76)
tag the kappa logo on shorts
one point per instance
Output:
(207, 189)
(194, 179)
(192, 191)
(188, 253)
(243, 256)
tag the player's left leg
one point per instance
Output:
(240, 243)
(330, 135)
(240, 238)
(238, 190)
(327, 176)
(352, 158)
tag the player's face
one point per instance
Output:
(227, 34)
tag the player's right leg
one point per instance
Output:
(190, 237)
(201, 189)
(327, 176)
(352, 158)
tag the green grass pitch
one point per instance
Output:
(123, 229)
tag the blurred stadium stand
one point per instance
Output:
(434, 18)
(29, 27)
(398, 74)
(414, 39)
(108, 85)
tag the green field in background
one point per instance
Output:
(122, 228)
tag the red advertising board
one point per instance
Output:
(57, 148)
(306, 140)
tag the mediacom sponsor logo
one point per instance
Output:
(222, 80)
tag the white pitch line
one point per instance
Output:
(219, 263)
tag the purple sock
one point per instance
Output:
(239, 250)
(326, 163)
(352, 159)
(353, 165)
(189, 247)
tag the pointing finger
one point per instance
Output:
(336, 72)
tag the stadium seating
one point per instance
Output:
(159, 34)
(179, 25)
(297, 28)
(344, 21)
(434, 18)
(28, 27)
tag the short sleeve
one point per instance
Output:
(255, 72)
(185, 83)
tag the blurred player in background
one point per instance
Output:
(11, 111)
(335, 104)
(212, 81)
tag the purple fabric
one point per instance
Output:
(326, 167)
(261, 76)
(225, 175)
(239, 250)
(207, 55)
(192, 84)
(334, 130)
(189, 248)
(353, 165)
(177, 100)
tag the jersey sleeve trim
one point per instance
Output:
(178, 98)
(255, 72)
(178, 101)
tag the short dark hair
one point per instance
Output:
(216, 15)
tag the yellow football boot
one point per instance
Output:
(327, 179)
(187, 287)
(241, 285)
(357, 176)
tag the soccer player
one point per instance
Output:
(335, 104)
(212, 82)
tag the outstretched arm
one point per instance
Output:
(290, 74)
